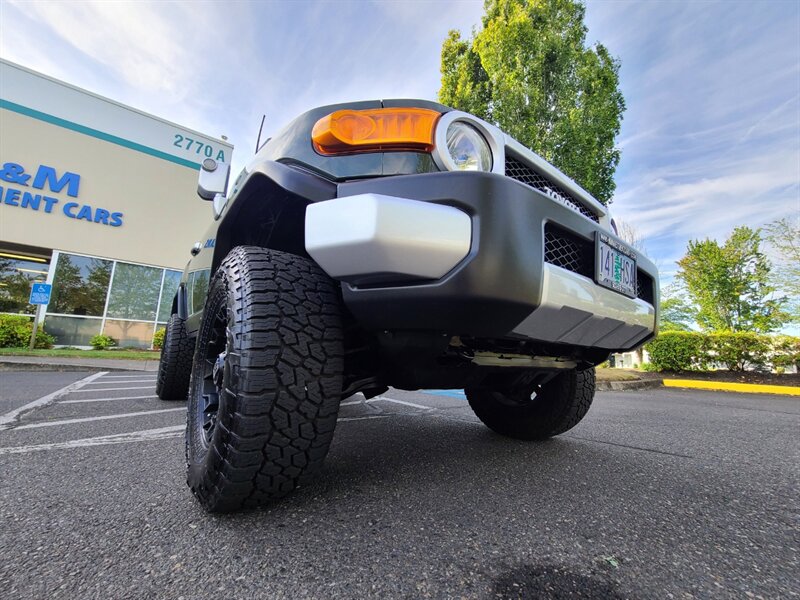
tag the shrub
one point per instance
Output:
(15, 332)
(158, 338)
(648, 367)
(43, 340)
(785, 353)
(102, 342)
(678, 351)
(740, 350)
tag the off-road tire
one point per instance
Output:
(556, 407)
(175, 366)
(281, 380)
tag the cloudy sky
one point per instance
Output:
(710, 140)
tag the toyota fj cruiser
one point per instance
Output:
(390, 243)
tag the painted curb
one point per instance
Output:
(723, 386)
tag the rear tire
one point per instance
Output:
(175, 366)
(266, 381)
(537, 414)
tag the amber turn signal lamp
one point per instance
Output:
(351, 131)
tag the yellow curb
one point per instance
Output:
(751, 388)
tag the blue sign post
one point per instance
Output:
(40, 296)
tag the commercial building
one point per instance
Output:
(98, 199)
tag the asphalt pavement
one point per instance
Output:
(658, 493)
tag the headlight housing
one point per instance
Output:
(468, 149)
(463, 142)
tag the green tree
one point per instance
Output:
(730, 284)
(676, 314)
(784, 237)
(529, 71)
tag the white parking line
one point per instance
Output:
(8, 419)
(385, 399)
(143, 374)
(403, 402)
(107, 399)
(119, 438)
(100, 418)
(146, 435)
(351, 403)
(141, 387)
(125, 382)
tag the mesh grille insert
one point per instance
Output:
(644, 286)
(568, 251)
(525, 174)
(574, 253)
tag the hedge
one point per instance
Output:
(740, 351)
(677, 351)
(15, 332)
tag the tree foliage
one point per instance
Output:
(730, 284)
(676, 313)
(529, 71)
(784, 237)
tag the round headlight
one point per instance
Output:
(468, 149)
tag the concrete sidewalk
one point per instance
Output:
(56, 363)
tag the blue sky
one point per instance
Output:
(710, 139)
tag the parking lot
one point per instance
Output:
(656, 494)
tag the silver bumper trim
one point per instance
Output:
(373, 238)
(577, 311)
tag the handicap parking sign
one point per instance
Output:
(40, 293)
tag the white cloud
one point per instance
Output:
(711, 137)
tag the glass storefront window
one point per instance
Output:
(72, 331)
(16, 277)
(134, 292)
(123, 296)
(131, 334)
(171, 281)
(80, 285)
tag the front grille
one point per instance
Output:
(644, 287)
(574, 253)
(568, 251)
(525, 174)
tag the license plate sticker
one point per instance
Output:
(616, 266)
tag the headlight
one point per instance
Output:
(468, 149)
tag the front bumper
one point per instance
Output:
(464, 254)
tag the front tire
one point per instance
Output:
(266, 381)
(175, 366)
(535, 413)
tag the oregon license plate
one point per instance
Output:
(616, 266)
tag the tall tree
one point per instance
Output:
(676, 313)
(730, 284)
(630, 234)
(529, 71)
(784, 237)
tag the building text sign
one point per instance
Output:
(29, 191)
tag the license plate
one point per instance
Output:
(616, 266)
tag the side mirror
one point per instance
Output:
(220, 202)
(213, 179)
